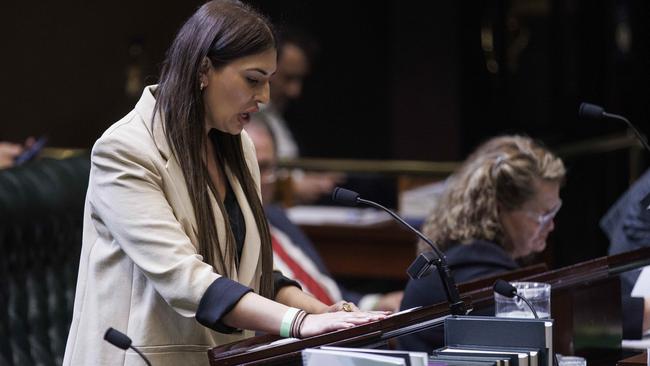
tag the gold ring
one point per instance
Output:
(346, 306)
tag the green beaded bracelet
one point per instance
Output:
(287, 320)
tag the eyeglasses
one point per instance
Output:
(544, 219)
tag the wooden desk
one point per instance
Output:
(382, 251)
(247, 352)
(638, 360)
(585, 308)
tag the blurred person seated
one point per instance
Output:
(627, 225)
(9, 151)
(496, 209)
(293, 252)
(296, 52)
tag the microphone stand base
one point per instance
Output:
(424, 265)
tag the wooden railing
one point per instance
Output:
(412, 173)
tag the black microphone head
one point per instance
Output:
(504, 288)
(117, 338)
(345, 196)
(588, 110)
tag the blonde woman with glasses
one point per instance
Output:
(495, 210)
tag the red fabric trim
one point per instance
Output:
(312, 286)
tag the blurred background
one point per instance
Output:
(402, 84)
(394, 80)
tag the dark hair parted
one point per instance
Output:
(502, 171)
(222, 31)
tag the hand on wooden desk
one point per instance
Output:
(316, 324)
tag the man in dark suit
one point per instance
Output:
(627, 224)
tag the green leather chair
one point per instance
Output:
(41, 217)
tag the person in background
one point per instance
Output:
(296, 53)
(497, 208)
(9, 151)
(627, 225)
(176, 251)
(294, 254)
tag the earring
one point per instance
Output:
(202, 86)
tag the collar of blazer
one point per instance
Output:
(250, 261)
(145, 107)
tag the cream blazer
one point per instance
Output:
(140, 271)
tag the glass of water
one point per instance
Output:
(537, 293)
(571, 361)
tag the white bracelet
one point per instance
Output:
(287, 320)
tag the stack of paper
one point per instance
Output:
(417, 203)
(497, 356)
(486, 340)
(339, 356)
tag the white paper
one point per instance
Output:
(404, 311)
(548, 326)
(319, 357)
(323, 215)
(416, 358)
(642, 285)
(636, 344)
(418, 202)
(275, 343)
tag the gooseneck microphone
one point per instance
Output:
(592, 111)
(422, 265)
(122, 341)
(504, 288)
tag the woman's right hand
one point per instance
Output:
(315, 324)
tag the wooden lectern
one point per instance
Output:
(367, 335)
(585, 306)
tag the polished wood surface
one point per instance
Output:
(585, 308)
(381, 251)
(242, 352)
(433, 169)
(638, 360)
(379, 332)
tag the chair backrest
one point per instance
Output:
(41, 217)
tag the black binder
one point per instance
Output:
(501, 332)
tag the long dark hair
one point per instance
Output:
(221, 30)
